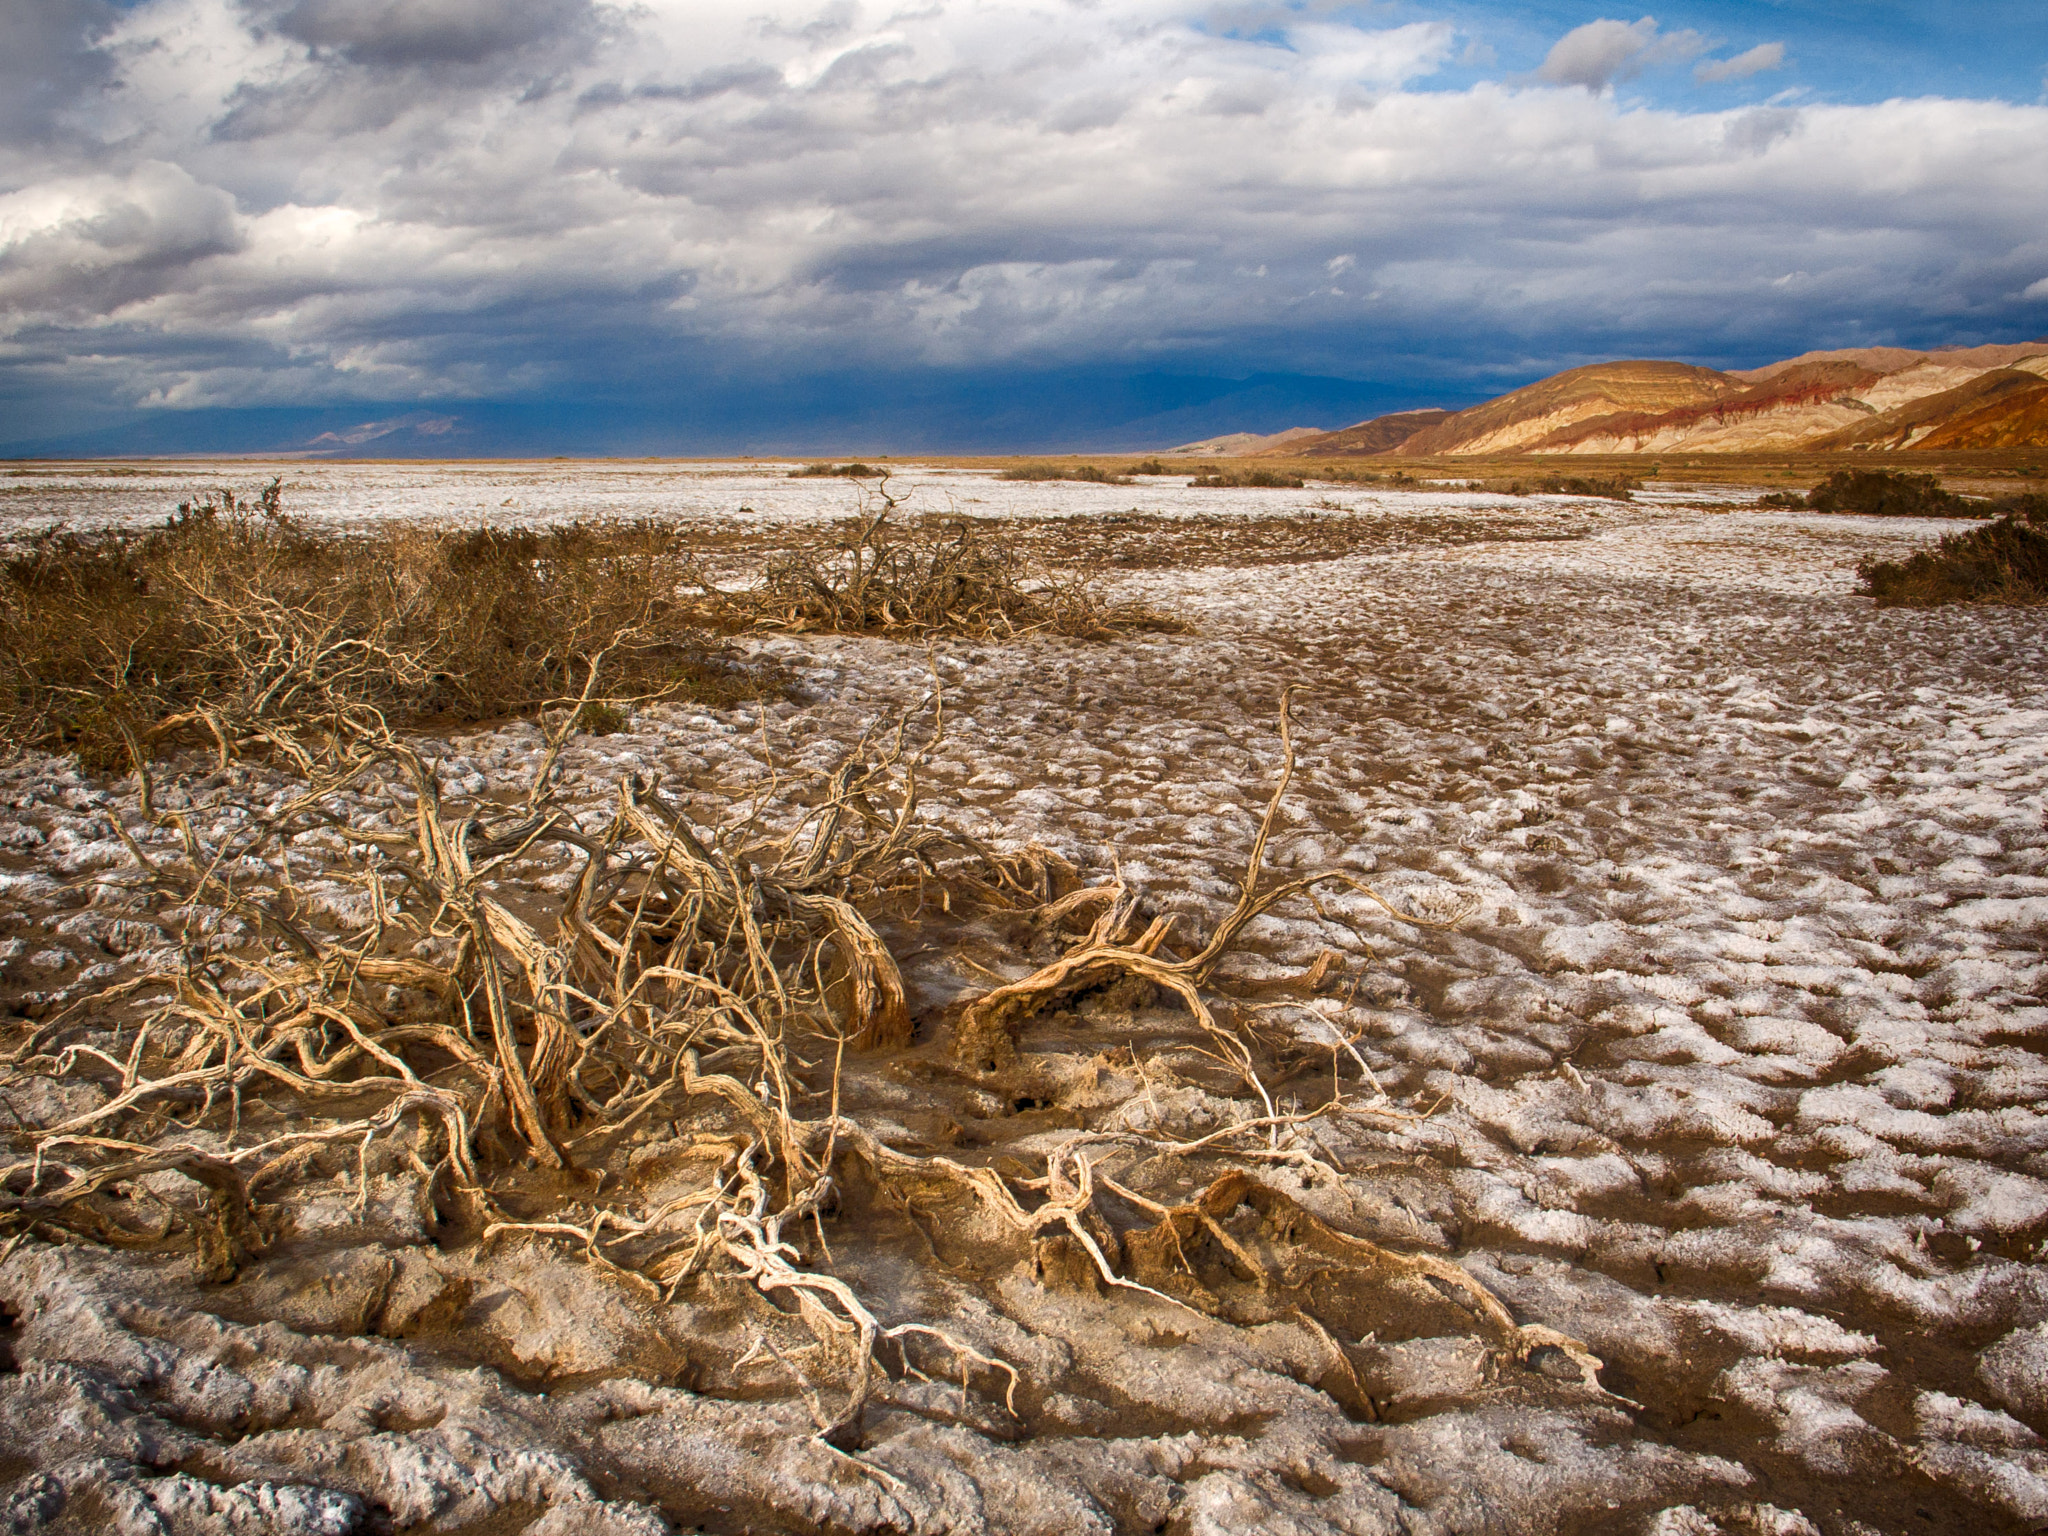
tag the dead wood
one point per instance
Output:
(1116, 945)
(869, 576)
(694, 957)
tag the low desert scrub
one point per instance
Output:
(1345, 474)
(1878, 493)
(1089, 473)
(233, 617)
(869, 577)
(1609, 487)
(854, 471)
(1612, 488)
(1232, 478)
(2005, 561)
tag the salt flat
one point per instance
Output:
(1728, 1063)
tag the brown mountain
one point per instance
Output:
(1517, 421)
(1894, 359)
(2018, 419)
(1777, 411)
(1858, 398)
(1382, 434)
(1917, 421)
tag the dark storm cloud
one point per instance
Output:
(425, 33)
(49, 64)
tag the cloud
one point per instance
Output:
(1764, 56)
(300, 203)
(51, 66)
(428, 32)
(84, 248)
(1755, 131)
(1599, 53)
(2036, 290)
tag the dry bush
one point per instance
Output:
(853, 471)
(1879, 493)
(1088, 473)
(233, 617)
(868, 577)
(1275, 478)
(1610, 487)
(2000, 562)
(684, 973)
(480, 1038)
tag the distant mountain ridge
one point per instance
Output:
(1859, 398)
(1237, 445)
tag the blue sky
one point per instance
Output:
(1834, 51)
(565, 226)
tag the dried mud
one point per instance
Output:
(1728, 1064)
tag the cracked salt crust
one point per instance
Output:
(1739, 1051)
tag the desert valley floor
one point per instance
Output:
(1722, 1054)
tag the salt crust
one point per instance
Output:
(1738, 1051)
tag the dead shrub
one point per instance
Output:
(677, 979)
(869, 577)
(233, 617)
(854, 471)
(1346, 474)
(2005, 561)
(1087, 473)
(1233, 478)
(1608, 487)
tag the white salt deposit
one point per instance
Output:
(1732, 1065)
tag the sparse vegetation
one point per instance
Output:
(233, 617)
(853, 471)
(870, 577)
(1233, 478)
(1878, 493)
(1345, 474)
(2005, 561)
(1611, 488)
(1089, 473)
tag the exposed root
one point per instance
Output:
(1115, 945)
(680, 978)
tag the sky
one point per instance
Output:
(562, 226)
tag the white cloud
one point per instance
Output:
(2036, 290)
(1599, 53)
(312, 201)
(1755, 61)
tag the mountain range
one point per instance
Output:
(1866, 398)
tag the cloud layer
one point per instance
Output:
(242, 202)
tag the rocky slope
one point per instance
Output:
(1867, 398)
